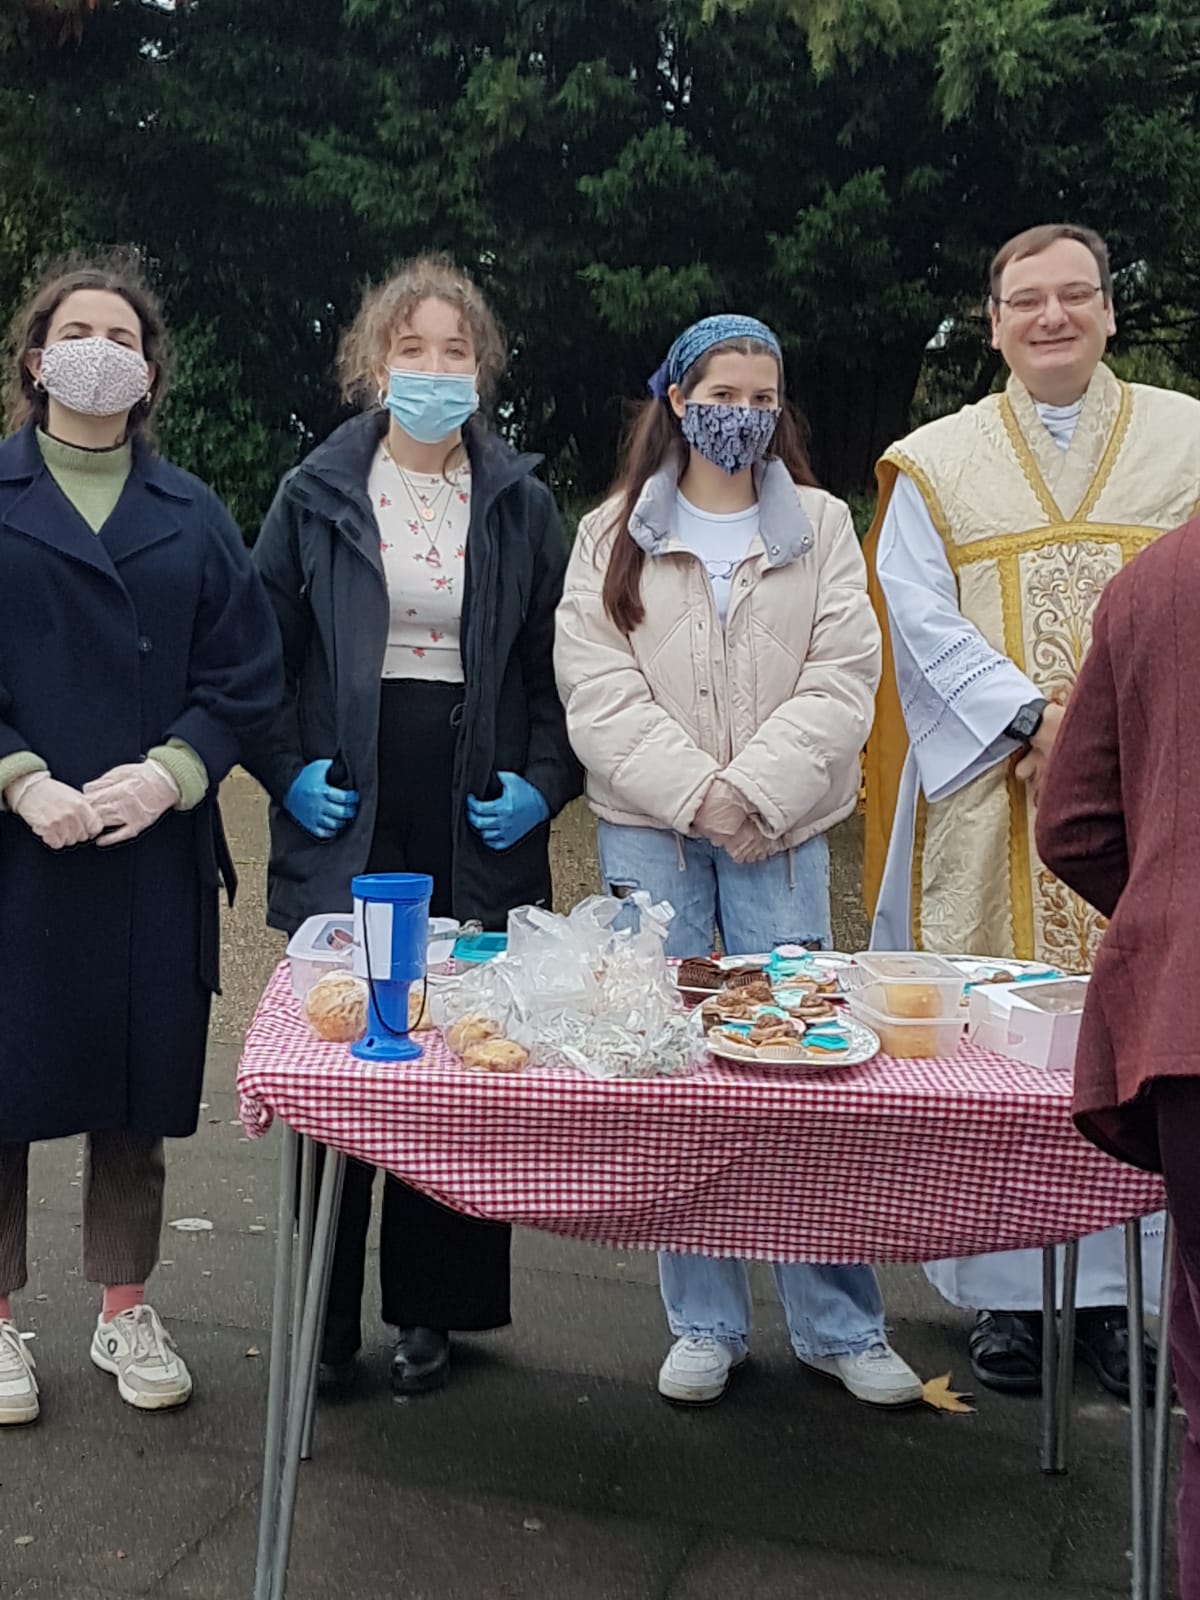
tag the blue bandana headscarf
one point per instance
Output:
(697, 340)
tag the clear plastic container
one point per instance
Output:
(908, 1038)
(909, 984)
(320, 945)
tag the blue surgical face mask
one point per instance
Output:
(430, 406)
(731, 437)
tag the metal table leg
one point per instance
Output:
(1137, 1405)
(308, 1337)
(277, 1375)
(1051, 1447)
(311, 1384)
(1066, 1353)
(304, 1228)
(1160, 1465)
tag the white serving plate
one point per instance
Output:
(976, 970)
(864, 1046)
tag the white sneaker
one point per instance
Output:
(878, 1375)
(18, 1386)
(696, 1371)
(140, 1353)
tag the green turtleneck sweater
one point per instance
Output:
(92, 481)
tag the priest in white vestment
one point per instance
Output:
(996, 533)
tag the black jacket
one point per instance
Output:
(318, 555)
(111, 643)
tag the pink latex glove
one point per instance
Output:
(131, 798)
(59, 815)
(722, 812)
(747, 844)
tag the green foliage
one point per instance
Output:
(610, 169)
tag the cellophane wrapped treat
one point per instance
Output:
(591, 990)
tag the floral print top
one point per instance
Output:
(423, 522)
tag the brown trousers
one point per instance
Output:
(123, 1178)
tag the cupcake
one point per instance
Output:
(699, 972)
(774, 1037)
(826, 1043)
(743, 977)
(710, 1014)
(814, 1009)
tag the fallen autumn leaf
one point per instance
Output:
(938, 1394)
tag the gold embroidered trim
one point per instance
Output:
(1020, 878)
(1130, 538)
(928, 493)
(1108, 460)
(1027, 462)
(918, 868)
(1019, 869)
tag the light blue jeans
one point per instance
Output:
(783, 900)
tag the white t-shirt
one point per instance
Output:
(423, 522)
(719, 539)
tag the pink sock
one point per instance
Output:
(121, 1297)
(5, 1309)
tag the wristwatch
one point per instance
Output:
(1027, 721)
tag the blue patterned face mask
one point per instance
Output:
(731, 437)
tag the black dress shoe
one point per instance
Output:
(337, 1370)
(420, 1360)
(1006, 1351)
(1102, 1340)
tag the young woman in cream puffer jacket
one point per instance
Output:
(778, 702)
(718, 658)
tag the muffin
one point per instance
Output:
(419, 1020)
(774, 1037)
(741, 977)
(699, 972)
(813, 1009)
(496, 1055)
(469, 1030)
(336, 1007)
(912, 1000)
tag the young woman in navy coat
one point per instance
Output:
(137, 649)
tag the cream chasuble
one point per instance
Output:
(1032, 535)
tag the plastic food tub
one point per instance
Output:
(908, 984)
(908, 1038)
(326, 944)
(320, 945)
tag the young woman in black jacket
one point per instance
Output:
(415, 563)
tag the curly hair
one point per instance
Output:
(115, 273)
(363, 351)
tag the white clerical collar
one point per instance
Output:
(1060, 421)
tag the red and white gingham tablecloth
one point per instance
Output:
(892, 1161)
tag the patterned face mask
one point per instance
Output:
(95, 377)
(731, 437)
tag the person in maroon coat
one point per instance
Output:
(1119, 822)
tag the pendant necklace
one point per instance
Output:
(426, 511)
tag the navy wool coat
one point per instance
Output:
(111, 643)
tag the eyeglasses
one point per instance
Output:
(1071, 297)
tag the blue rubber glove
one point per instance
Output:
(319, 808)
(505, 822)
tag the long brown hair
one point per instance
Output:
(654, 438)
(118, 273)
(363, 352)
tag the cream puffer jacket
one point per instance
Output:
(780, 701)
